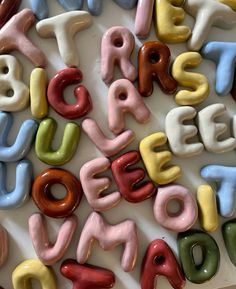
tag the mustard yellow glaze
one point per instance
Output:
(38, 86)
(198, 83)
(155, 162)
(33, 269)
(230, 3)
(207, 208)
(169, 16)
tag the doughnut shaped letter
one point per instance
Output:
(210, 130)
(10, 83)
(3, 246)
(64, 27)
(40, 8)
(116, 49)
(207, 208)
(159, 260)
(20, 194)
(87, 276)
(207, 14)
(44, 199)
(94, 186)
(56, 88)
(128, 180)
(67, 149)
(211, 256)
(155, 162)
(143, 19)
(179, 134)
(47, 253)
(13, 34)
(109, 147)
(8, 8)
(197, 82)
(225, 179)
(223, 54)
(109, 237)
(126, 4)
(23, 142)
(38, 87)
(33, 269)
(169, 14)
(123, 97)
(154, 59)
(229, 235)
(182, 220)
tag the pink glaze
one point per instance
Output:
(3, 245)
(123, 97)
(13, 37)
(47, 253)
(143, 19)
(93, 186)
(109, 147)
(187, 215)
(108, 237)
(116, 49)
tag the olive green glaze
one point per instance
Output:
(210, 252)
(44, 138)
(229, 234)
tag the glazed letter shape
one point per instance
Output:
(179, 133)
(169, 14)
(108, 237)
(108, 147)
(38, 98)
(87, 276)
(210, 131)
(13, 34)
(197, 82)
(143, 19)
(95, 6)
(159, 260)
(207, 14)
(64, 27)
(56, 87)
(123, 97)
(3, 246)
(128, 180)
(20, 194)
(47, 253)
(230, 3)
(67, 149)
(224, 55)
(8, 8)
(210, 260)
(207, 205)
(186, 216)
(155, 162)
(93, 186)
(23, 142)
(225, 178)
(10, 79)
(116, 49)
(154, 59)
(229, 234)
(33, 269)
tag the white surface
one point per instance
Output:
(88, 43)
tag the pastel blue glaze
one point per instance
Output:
(225, 177)
(224, 55)
(40, 8)
(126, 4)
(20, 194)
(71, 5)
(95, 7)
(23, 142)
